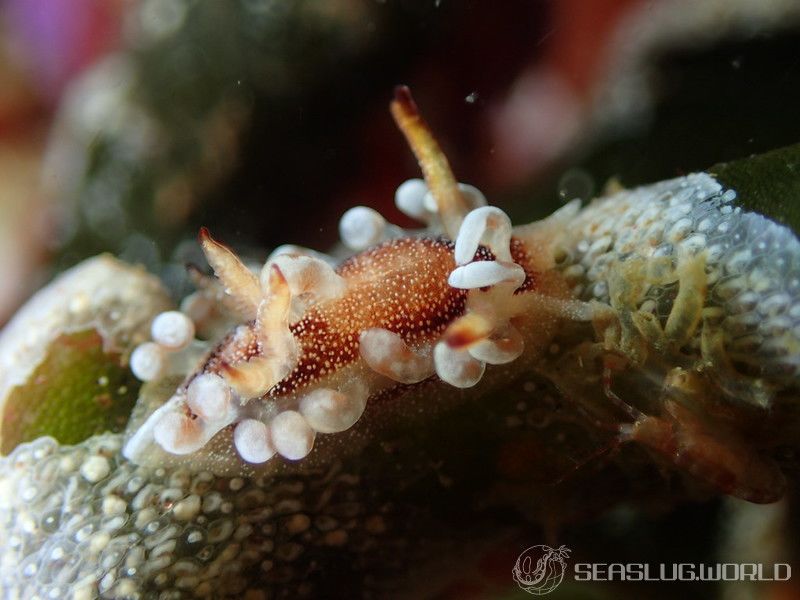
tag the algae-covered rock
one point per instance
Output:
(77, 390)
(63, 357)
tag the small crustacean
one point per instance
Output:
(689, 439)
(686, 295)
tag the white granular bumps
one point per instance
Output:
(95, 468)
(752, 263)
(93, 525)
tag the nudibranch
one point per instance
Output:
(686, 302)
(316, 343)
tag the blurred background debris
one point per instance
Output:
(124, 126)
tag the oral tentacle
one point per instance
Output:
(238, 281)
(180, 434)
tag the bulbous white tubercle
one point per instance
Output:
(361, 227)
(293, 249)
(148, 361)
(306, 275)
(457, 367)
(410, 199)
(291, 435)
(332, 411)
(252, 440)
(209, 397)
(173, 330)
(387, 353)
(499, 349)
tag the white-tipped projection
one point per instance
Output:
(252, 441)
(361, 227)
(457, 367)
(330, 411)
(173, 330)
(291, 435)
(148, 361)
(179, 434)
(499, 349)
(484, 273)
(387, 353)
(209, 397)
(410, 199)
(489, 226)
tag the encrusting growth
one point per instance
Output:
(649, 285)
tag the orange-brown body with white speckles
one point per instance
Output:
(400, 286)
